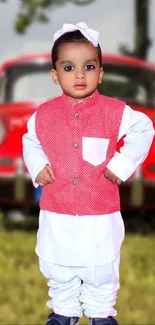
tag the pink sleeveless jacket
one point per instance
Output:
(79, 139)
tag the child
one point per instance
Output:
(70, 150)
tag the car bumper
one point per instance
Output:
(137, 194)
(16, 190)
(19, 190)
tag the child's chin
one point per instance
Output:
(81, 94)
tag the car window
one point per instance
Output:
(127, 83)
(2, 88)
(31, 82)
(34, 86)
(153, 88)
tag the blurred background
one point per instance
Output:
(127, 40)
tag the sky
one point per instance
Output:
(114, 19)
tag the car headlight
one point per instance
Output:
(2, 131)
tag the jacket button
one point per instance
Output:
(76, 115)
(75, 145)
(75, 181)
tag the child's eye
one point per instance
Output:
(69, 68)
(89, 67)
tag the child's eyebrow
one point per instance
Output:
(91, 60)
(66, 62)
(70, 62)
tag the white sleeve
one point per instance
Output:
(139, 132)
(34, 156)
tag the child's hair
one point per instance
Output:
(71, 37)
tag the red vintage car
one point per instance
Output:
(25, 82)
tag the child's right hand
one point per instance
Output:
(45, 176)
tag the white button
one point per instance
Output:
(75, 145)
(76, 115)
(75, 180)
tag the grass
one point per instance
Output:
(23, 290)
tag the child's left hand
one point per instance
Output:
(112, 177)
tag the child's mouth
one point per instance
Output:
(80, 87)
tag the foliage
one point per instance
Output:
(37, 10)
(141, 35)
(23, 290)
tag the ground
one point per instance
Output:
(23, 290)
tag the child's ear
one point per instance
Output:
(54, 76)
(101, 73)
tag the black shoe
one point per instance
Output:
(56, 319)
(103, 321)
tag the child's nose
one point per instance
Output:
(79, 74)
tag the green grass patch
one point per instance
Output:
(23, 290)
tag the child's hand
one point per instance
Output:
(45, 176)
(112, 177)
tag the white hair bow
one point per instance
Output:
(90, 34)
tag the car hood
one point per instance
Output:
(14, 117)
(19, 108)
(149, 111)
(14, 109)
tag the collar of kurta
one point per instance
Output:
(72, 103)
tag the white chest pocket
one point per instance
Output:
(94, 150)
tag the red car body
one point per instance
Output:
(25, 83)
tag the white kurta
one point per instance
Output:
(88, 240)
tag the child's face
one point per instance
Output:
(78, 70)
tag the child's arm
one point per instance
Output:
(112, 177)
(45, 176)
(139, 132)
(35, 159)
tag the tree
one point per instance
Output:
(37, 10)
(142, 40)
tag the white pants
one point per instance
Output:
(95, 295)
